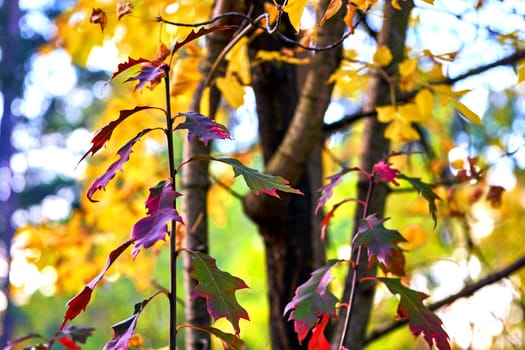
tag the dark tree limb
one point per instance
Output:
(467, 291)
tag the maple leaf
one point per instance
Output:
(318, 340)
(98, 16)
(426, 191)
(218, 288)
(80, 301)
(124, 153)
(123, 330)
(160, 210)
(420, 319)
(312, 300)
(104, 134)
(381, 244)
(149, 73)
(203, 127)
(123, 8)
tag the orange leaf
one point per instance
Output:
(333, 8)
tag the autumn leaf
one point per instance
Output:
(295, 9)
(78, 333)
(123, 8)
(381, 244)
(467, 113)
(385, 173)
(333, 7)
(68, 343)
(312, 300)
(98, 16)
(197, 34)
(122, 67)
(420, 319)
(426, 191)
(124, 152)
(257, 181)
(80, 301)
(231, 90)
(104, 134)
(203, 127)
(123, 330)
(318, 340)
(149, 73)
(383, 56)
(160, 210)
(328, 190)
(218, 288)
(494, 195)
(228, 341)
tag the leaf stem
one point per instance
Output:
(172, 296)
(351, 297)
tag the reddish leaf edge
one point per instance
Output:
(80, 301)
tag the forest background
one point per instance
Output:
(55, 65)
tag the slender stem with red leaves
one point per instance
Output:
(355, 265)
(172, 229)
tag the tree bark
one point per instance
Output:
(290, 130)
(375, 147)
(195, 183)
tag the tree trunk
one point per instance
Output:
(195, 182)
(12, 77)
(289, 129)
(375, 147)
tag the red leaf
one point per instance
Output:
(381, 244)
(124, 153)
(79, 302)
(218, 288)
(420, 319)
(126, 65)
(194, 35)
(103, 135)
(312, 300)
(68, 343)
(385, 172)
(318, 340)
(328, 190)
(160, 209)
(149, 73)
(494, 195)
(204, 128)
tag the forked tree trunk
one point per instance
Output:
(375, 147)
(290, 127)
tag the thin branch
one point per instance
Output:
(467, 291)
(352, 118)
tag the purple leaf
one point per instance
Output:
(149, 73)
(381, 244)
(312, 300)
(124, 153)
(204, 128)
(160, 210)
(328, 190)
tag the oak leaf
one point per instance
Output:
(202, 127)
(312, 300)
(420, 319)
(218, 288)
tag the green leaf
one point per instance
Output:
(420, 318)
(218, 288)
(426, 191)
(381, 244)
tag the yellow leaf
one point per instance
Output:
(521, 72)
(415, 235)
(467, 113)
(383, 56)
(408, 67)
(294, 9)
(431, 2)
(395, 4)
(239, 63)
(231, 90)
(425, 102)
(385, 113)
(332, 9)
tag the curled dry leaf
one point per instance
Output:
(98, 16)
(123, 8)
